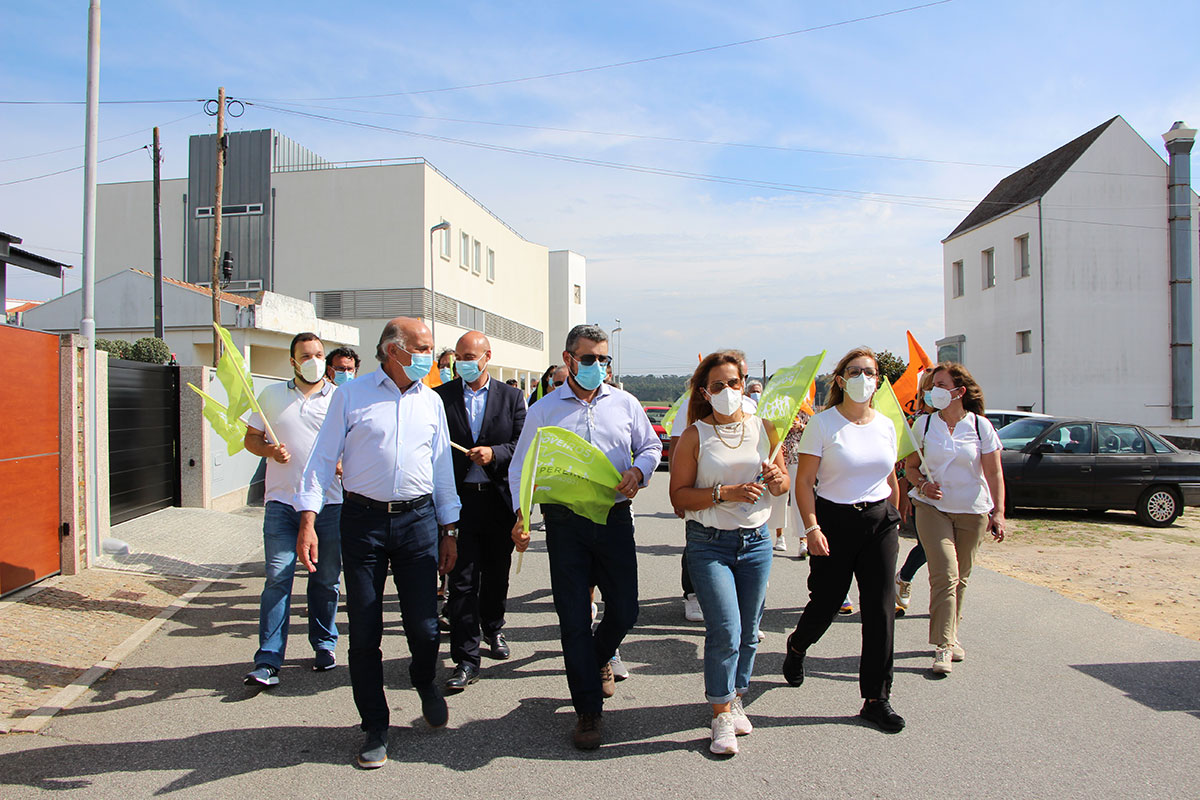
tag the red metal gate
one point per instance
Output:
(29, 459)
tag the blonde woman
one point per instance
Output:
(957, 500)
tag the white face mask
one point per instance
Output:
(860, 388)
(940, 398)
(312, 370)
(726, 402)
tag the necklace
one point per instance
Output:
(741, 437)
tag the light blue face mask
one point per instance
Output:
(342, 377)
(469, 370)
(420, 366)
(590, 377)
(447, 374)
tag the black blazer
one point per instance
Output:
(503, 419)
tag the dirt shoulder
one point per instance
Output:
(1146, 575)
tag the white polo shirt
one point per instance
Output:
(296, 420)
(954, 461)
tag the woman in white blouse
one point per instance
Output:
(958, 497)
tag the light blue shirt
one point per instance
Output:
(394, 446)
(476, 402)
(614, 421)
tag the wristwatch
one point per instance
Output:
(451, 532)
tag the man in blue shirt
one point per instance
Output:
(485, 418)
(582, 553)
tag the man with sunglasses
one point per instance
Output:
(581, 552)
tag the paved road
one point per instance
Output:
(1056, 699)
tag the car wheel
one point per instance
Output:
(1159, 506)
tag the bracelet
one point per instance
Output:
(810, 529)
(716, 495)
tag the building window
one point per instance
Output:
(989, 267)
(491, 265)
(243, 210)
(956, 278)
(1024, 343)
(578, 295)
(477, 261)
(464, 251)
(1021, 255)
(445, 242)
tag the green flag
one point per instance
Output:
(669, 418)
(562, 467)
(885, 403)
(232, 372)
(786, 392)
(234, 433)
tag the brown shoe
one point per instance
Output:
(608, 682)
(587, 731)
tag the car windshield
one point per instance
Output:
(656, 414)
(1017, 434)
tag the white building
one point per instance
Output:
(1058, 286)
(355, 240)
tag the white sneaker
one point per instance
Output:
(803, 554)
(903, 595)
(620, 671)
(724, 736)
(957, 653)
(691, 609)
(595, 611)
(760, 634)
(781, 543)
(942, 658)
(741, 723)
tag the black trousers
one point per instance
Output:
(863, 545)
(478, 583)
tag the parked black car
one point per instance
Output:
(1056, 462)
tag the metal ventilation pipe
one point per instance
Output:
(1179, 141)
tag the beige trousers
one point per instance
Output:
(950, 542)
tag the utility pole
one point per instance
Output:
(216, 251)
(764, 373)
(158, 275)
(87, 320)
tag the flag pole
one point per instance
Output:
(537, 444)
(250, 395)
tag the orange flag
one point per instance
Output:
(807, 405)
(907, 388)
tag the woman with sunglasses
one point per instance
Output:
(958, 497)
(719, 476)
(846, 493)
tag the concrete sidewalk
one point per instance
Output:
(1055, 698)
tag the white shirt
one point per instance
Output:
(856, 460)
(614, 421)
(680, 423)
(394, 446)
(953, 461)
(718, 462)
(296, 419)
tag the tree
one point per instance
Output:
(116, 348)
(891, 366)
(151, 350)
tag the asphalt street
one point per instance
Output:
(1056, 699)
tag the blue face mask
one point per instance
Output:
(420, 366)
(342, 377)
(929, 398)
(591, 377)
(447, 374)
(469, 370)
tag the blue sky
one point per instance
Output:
(687, 265)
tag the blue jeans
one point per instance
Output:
(583, 554)
(281, 526)
(407, 542)
(729, 569)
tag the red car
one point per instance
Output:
(656, 414)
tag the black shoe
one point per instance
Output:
(443, 622)
(499, 646)
(587, 734)
(433, 706)
(463, 676)
(793, 664)
(880, 714)
(373, 753)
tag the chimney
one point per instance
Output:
(1179, 141)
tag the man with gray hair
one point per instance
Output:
(400, 510)
(583, 553)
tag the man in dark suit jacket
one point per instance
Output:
(486, 417)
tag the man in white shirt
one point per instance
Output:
(400, 511)
(295, 410)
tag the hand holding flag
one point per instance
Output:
(786, 392)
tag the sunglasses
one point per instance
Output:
(716, 387)
(854, 372)
(558, 383)
(592, 358)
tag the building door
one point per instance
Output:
(29, 460)
(143, 438)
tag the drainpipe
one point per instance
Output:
(1179, 141)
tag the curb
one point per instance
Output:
(39, 718)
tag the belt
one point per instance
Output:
(862, 506)
(388, 506)
(477, 487)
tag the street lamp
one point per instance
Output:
(441, 226)
(617, 370)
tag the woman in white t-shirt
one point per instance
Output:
(721, 474)
(846, 493)
(958, 497)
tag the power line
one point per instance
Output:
(102, 141)
(629, 63)
(72, 169)
(102, 102)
